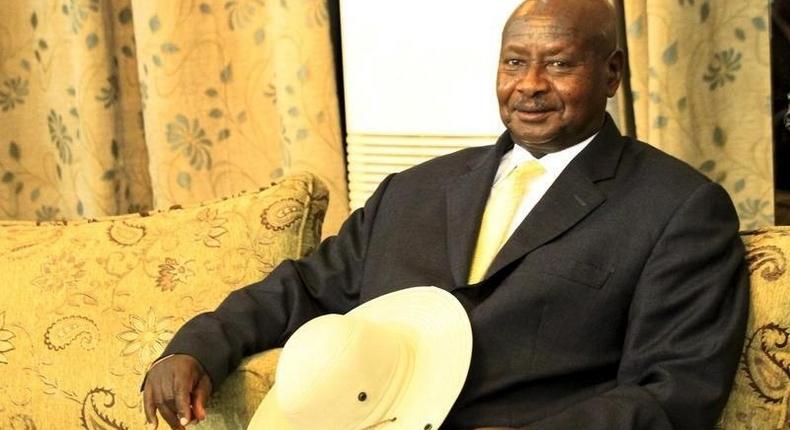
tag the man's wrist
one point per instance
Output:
(154, 363)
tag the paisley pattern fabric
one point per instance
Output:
(87, 306)
(760, 397)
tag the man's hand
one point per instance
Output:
(178, 387)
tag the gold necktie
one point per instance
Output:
(505, 198)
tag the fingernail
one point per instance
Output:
(184, 421)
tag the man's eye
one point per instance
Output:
(513, 62)
(559, 64)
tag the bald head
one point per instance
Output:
(594, 21)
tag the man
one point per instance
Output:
(618, 301)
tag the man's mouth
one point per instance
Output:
(532, 109)
(532, 114)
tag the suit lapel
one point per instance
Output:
(569, 200)
(466, 199)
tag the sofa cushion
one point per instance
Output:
(232, 406)
(761, 391)
(86, 306)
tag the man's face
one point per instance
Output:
(552, 85)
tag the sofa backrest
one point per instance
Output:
(85, 307)
(761, 391)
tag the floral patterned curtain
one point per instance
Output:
(115, 106)
(701, 81)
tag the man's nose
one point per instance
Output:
(533, 81)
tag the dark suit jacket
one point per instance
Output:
(619, 303)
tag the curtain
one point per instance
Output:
(701, 89)
(115, 106)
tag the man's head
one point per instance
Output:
(558, 64)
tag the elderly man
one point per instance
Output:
(614, 296)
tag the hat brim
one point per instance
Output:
(438, 328)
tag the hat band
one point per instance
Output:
(380, 423)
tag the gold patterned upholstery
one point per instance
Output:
(86, 306)
(759, 398)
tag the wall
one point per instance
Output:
(419, 82)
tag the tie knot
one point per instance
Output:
(531, 167)
(525, 172)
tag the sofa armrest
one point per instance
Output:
(233, 405)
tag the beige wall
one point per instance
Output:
(419, 81)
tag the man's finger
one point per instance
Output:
(165, 403)
(150, 408)
(170, 417)
(182, 400)
(200, 396)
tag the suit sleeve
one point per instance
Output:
(265, 314)
(685, 330)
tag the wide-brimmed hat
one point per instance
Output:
(396, 362)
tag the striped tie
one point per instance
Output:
(506, 195)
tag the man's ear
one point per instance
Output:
(615, 65)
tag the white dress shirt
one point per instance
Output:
(554, 163)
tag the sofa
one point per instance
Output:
(760, 396)
(86, 306)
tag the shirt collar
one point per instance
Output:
(554, 163)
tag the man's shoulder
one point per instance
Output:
(448, 165)
(656, 162)
(662, 176)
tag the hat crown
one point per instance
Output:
(341, 364)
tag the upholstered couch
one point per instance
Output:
(760, 397)
(85, 307)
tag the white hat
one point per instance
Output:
(396, 362)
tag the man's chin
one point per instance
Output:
(538, 143)
(532, 139)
